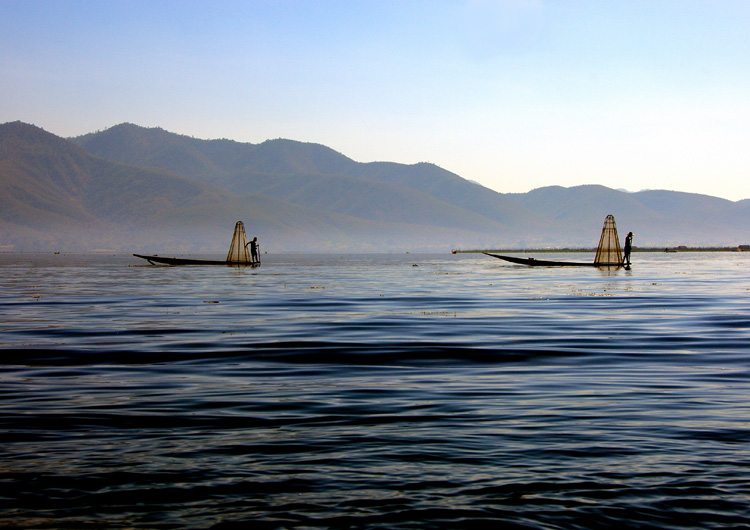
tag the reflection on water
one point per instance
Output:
(374, 391)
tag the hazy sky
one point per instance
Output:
(513, 94)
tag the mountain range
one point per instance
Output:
(142, 189)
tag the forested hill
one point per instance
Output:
(311, 175)
(136, 188)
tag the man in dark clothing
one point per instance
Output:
(628, 247)
(254, 250)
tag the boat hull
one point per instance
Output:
(532, 262)
(186, 261)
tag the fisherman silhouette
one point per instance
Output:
(628, 247)
(254, 250)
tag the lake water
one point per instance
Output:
(375, 391)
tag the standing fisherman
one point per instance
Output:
(628, 247)
(254, 250)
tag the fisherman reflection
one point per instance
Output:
(628, 247)
(254, 250)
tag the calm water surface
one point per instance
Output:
(375, 391)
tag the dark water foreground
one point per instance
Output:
(367, 392)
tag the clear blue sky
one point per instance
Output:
(513, 94)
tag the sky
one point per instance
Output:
(513, 94)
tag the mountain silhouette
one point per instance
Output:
(147, 189)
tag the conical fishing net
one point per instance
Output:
(608, 252)
(238, 249)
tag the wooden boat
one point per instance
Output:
(237, 256)
(153, 260)
(608, 253)
(532, 262)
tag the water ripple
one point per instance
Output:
(363, 392)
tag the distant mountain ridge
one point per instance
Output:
(294, 171)
(130, 187)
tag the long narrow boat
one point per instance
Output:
(608, 253)
(238, 255)
(540, 262)
(187, 261)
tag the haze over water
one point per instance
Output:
(374, 391)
